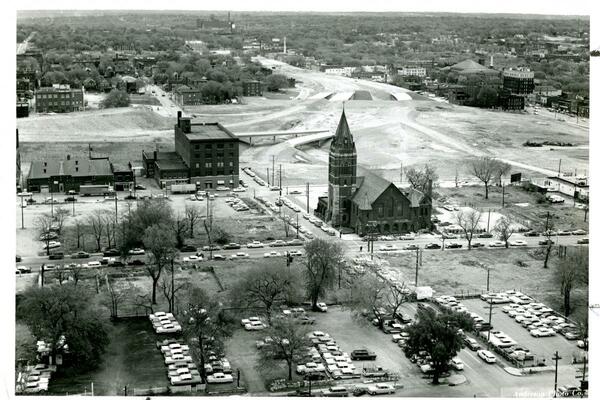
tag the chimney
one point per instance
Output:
(185, 124)
(155, 154)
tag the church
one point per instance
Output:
(368, 203)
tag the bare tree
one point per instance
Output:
(548, 233)
(76, 271)
(180, 229)
(468, 221)
(80, 231)
(419, 179)
(288, 342)
(60, 216)
(43, 224)
(503, 170)
(170, 287)
(61, 274)
(159, 241)
(395, 296)
(504, 229)
(193, 215)
(484, 169)
(114, 296)
(110, 231)
(96, 223)
(321, 261)
(263, 286)
(568, 273)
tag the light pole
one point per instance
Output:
(488, 279)
(22, 218)
(52, 200)
(556, 357)
(297, 226)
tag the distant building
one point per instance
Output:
(59, 99)
(22, 109)
(518, 81)
(186, 96)
(412, 71)
(68, 174)
(123, 176)
(252, 88)
(166, 167)
(215, 25)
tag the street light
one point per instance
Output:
(52, 200)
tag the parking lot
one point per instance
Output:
(542, 347)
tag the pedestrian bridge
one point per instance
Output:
(304, 136)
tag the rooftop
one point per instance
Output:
(169, 160)
(73, 167)
(209, 130)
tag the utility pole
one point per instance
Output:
(279, 180)
(559, 162)
(73, 205)
(273, 170)
(297, 227)
(307, 198)
(268, 176)
(555, 358)
(22, 218)
(502, 196)
(417, 269)
(490, 323)
(488, 279)
(488, 224)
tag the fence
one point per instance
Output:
(150, 391)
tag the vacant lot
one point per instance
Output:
(131, 360)
(144, 99)
(457, 272)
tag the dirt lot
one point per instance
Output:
(520, 205)
(459, 272)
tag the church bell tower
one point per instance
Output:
(342, 174)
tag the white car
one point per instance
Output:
(542, 332)
(322, 307)
(295, 253)
(496, 243)
(239, 189)
(255, 245)
(518, 243)
(487, 356)
(137, 252)
(192, 258)
(219, 377)
(52, 245)
(255, 326)
(381, 388)
(240, 255)
(457, 364)
(94, 264)
(272, 254)
(388, 247)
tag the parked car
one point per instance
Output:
(486, 235)
(111, 253)
(57, 255)
(545, 242)
(362, 354)
(23, 269)
(496, 243)
(486, 356)
(457, 364)
(518, 243)
(272, 254)
(219, 377)
(411, 247)
(219, 257)
(471, 343)
(136, 262)
(295, 253)
(477, 245)
(531, 234)
(52, 245)
(336, 391)
(49, 236)
(231, 246)
(255, 245)
(93, 264)
(188, 248)
(137, 252)
(381, 388)
(80, 254)
(583, 241)
(211, 247)
(432, 246)
(322, 307)
(454, 246)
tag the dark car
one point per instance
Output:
(140, 187)
(362, 354)
(219, 257)
(531, 233)
(111, 253)
(404, 318)
(231, 246)
(213, 247)
(486, 235)
(433, 246)
(477, 244)
(117, 263)
(136, 262)
(471, 343)
(18, 258)
(545, 242)
(454, 246)
(188, 248)
(583, 241)
(70, 199)
(56, 256)
(411, 247)
(359, 391)
(80, 254)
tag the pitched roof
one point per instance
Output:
(370, 187)
(343, 131)
(414, 196)
(73, 167)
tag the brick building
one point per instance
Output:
(58, 98)
(69, 174)
(206, 154)
(252, 88)
(187, 96)
(362, 202)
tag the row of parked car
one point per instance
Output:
(237, 204)
(164, 322)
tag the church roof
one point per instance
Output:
(342, 132)
(415, 196)
(370, 187)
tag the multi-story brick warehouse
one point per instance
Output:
(518, 81)
(252, 88)
(210, 151)
(58, 98)
(206, 154)
(362, 202)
